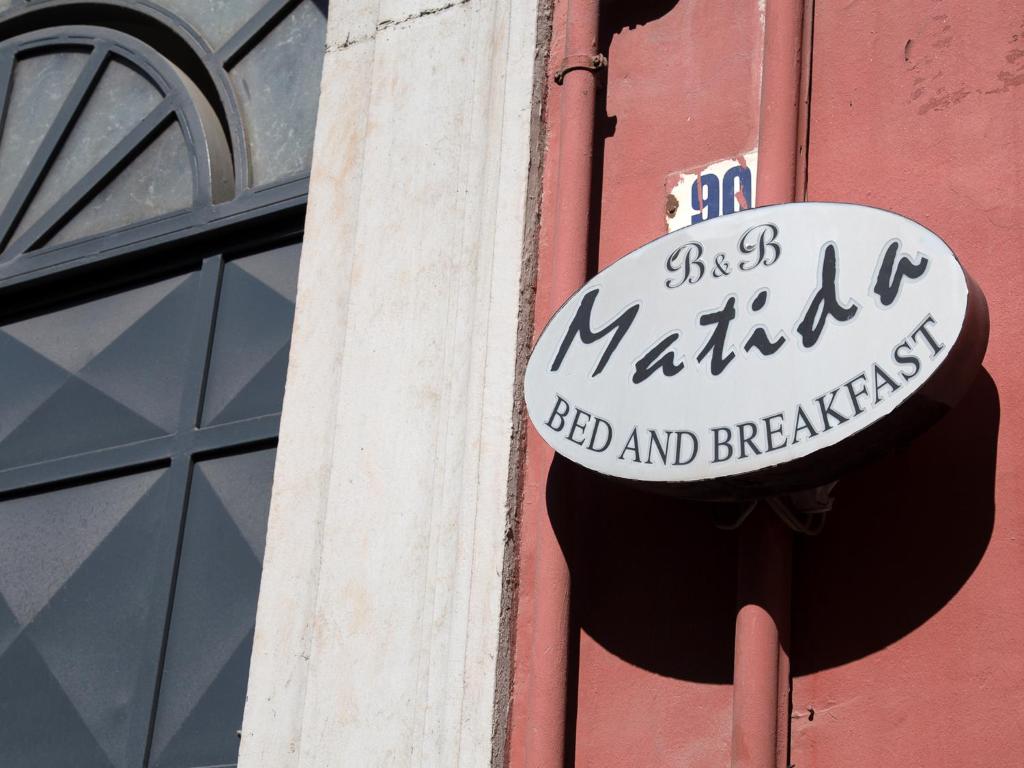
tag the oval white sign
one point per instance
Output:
(760, 351)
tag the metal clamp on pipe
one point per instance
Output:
(591, 62)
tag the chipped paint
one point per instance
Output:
(700, 194)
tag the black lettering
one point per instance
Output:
(655, 444)
(858, 409)
(716, 342)
(886, 381)
(580, 326)
(828, 411)
(763, 343)
(692, 265)
(717, 432)
(721, 268)
(824, 303)
(657, 358)
(887, 284)
(598, 423)
(632, 446)
(759, 338)
(802, 423)
(772, 431)
(679, 447)
(760, 299)
(760, 237)
(577, 424)
(907, 359)
(560, 414)
(747, 432)
(923, 330)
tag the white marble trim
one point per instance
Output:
(378, 620)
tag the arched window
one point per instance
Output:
(154, 162)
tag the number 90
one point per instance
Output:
(710, 199)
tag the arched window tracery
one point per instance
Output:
(239, 79)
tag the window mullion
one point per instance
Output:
(254, 30)
(6, 72)
(86, 188)
(180, 472)
(48, 149)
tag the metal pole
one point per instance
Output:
(760, 731)
(547, 686)
(761, 668)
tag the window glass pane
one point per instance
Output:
(215, 20)
(86, 567)
(279, 84)
(202, 693)
(40, 85)
(158, 181)
(120, 100)
(103, 373)
(253, 332)
(82, 572)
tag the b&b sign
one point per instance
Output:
(759, 352)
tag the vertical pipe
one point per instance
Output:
(760, 730)
(803, 129)
(761, 668)
(545, 717)
(778, 156)
(578, 96)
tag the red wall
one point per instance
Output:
(910, 607)
(908, 623)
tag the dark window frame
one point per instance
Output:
(202, 239)
(281, 203)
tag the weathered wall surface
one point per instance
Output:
(910, 607)
(653, 583)
(379, 609)
(654, 580)
(908, 610)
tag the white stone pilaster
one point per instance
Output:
(379, 608)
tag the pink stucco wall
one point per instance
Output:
(908, 610)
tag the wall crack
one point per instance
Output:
(387, 23)
(383, 24)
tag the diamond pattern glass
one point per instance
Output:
(255, 315)
(82, 572)
(131, 534)
(214, 616)
(105, 372)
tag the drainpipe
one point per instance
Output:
(761, 668)
(576, 79)
(760, 708)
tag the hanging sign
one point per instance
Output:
(758, 352)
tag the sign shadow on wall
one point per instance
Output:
(654, 578)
